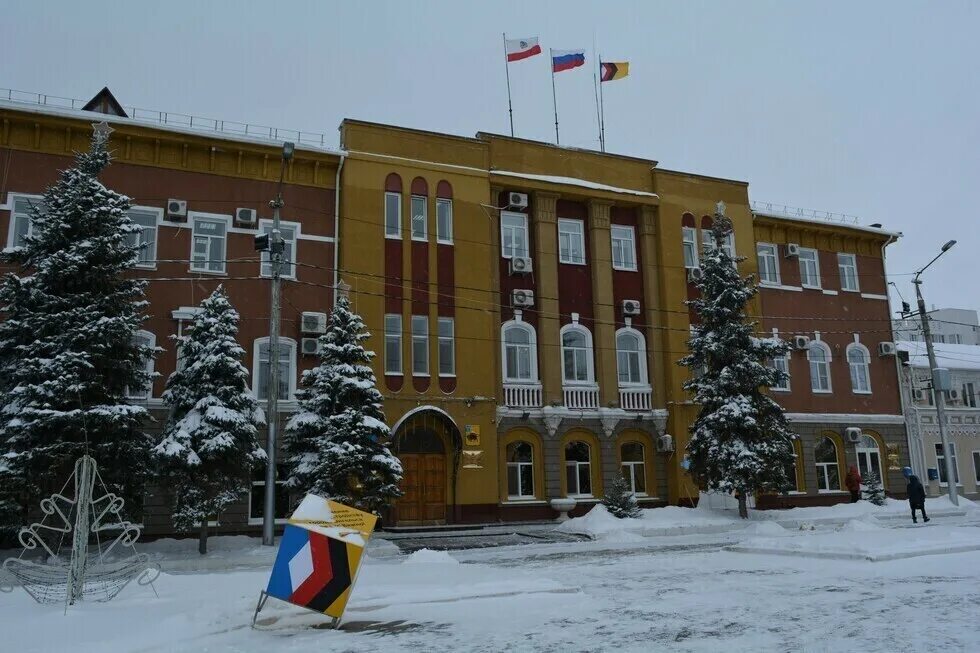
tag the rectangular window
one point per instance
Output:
(447, 347)
(147, 237)
(20, 218)
(256, 496)
(287, 369)
(420, 345)
(847, 265)
(143, 339)
(954, 339)
(393, 215)
(690, 236)
(288, 234)
(781, 363)
(623, 248)
(969, 395)
(208, 245)
(420, 218)
(513, 235)
(571, 241)
(809, 268)
(976, 467)
(393, 344)
(941, 464)
(768, 255)
(444, 221)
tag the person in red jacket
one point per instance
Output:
(853, 483)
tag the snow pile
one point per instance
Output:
(430, 557)
(765, 528)
(867, 525)
(598, 523)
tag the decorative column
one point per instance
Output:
(545, 225)
(657, 341)
(604, 332)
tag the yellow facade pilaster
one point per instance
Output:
(600, 251)
(657, 343)
(545, 223)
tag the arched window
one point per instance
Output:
(868, 456)
(819, 355)
(520, 470)
(576, 354)
(519, 343)
(578, 469)
(287, 368)
(828, 472)
(631, 357)
(634, 467)
(858, 360)
(144, 339)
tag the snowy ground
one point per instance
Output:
(627, 592)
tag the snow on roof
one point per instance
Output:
(954, 357)
(574, 181)
(826, 223)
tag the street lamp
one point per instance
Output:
(938, 381)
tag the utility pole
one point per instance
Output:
(272, 413)
(937, 386)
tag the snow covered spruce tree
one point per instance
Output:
(873, 490)
(210, 443)
(67, 343)
(336, 445)
(620, 500)
(740, 441)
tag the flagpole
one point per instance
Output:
(595, 87)
(602, 112)
(554, 95)
(510, 106)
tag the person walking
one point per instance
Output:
(853, 483)
(917, 498)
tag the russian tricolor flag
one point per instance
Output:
(566, 59)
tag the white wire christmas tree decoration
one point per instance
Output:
(55, 575)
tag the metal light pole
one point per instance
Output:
(937, 394)
(272, 414)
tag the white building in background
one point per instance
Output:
(954, 326)
(962, 413)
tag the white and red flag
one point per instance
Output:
(518, 49)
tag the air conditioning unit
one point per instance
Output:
(177, 210)
(245, 216)
(517, 200)
(310, 346)
(665, 443)
(311, 322)
(919, 395)
(792, 250)
(521, 265)
(853, 434)
(631, 307)
(953, 395)
(801, 342)
(694, 274)
(886, 349)
(522, 298)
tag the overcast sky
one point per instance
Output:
(870, 108)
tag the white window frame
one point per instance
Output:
(816, 267)
(395, 234)
(444, 235)
(532, 347)
(289, 252)
(420, 335)
(633, 464)
(862, 450)
(515, 230)
(624, 244)
(784, 360)
(858, 347)
(577, 464)
(765, 251)
(424, 200)
(148, 365)
(822, 468)
(589, 354)
(393, 335)
(941, 464)
(852, 264)
(290, 373)
(969, 397)
(149, 253)
(260, 482)
(642, 353)
(817, 344)
(193, 217)
(14, 214)
(447, 341)
(574, 231)
(689, 243)
(518, 468)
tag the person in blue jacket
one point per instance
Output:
(917, 497)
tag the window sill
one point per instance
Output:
(213, 273)
(572, 262)
(387, 373)
(446, 376)
(853, 290)
(252, 521)
(623, 269)
(145, 267)
(520, 501)
(391, 237)
(806, 287)
(425, 375)
(444, 242)
(581, 497)
(861, 392)
(783, 390)
(281, 276)
(830, 292)
(823, 392)
(832, 492)
(419, 240)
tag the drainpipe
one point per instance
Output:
(336, 229)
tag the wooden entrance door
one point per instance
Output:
(424, 488)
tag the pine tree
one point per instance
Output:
(210, 445)
(873, 490)
(740, 441)
(620, 500)
(336, 445)
(67, 344)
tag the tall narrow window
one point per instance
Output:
(146, 238)
(256, 495)
(444, 221)
(144, 339)
(420, 217)
(578, 469)
(447, 347)
(520, 357)
(513, 234)
(633, 467)
(209, 245)
(576, 348)
(393, 215)
(623, 247)
(288, 234)
(828, 472)
(781, 363)
(393, 344)
(941, 463)
(847, 265)
(420, 345)
(976, 467)
(859, 362)
(969, 395)
(630, 357)
(287, 368)
(21, 216)
(690, 244)
(768, 255)
(520, 471)
(809, 268)
(868, 457)
(819, 355)
(571, 241)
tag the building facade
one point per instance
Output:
(956, 326)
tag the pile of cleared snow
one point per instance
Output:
(430, 557)
(765, 528)
(600, 524)
(866, 525)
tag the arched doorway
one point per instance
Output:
(428, 444)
